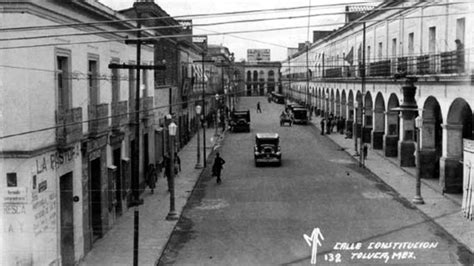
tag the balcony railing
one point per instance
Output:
(69, 130)
(98, 118)
(452, 62)
(119, 114)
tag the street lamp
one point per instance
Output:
(217, 110)
(172, 215)
(198, 114)
(418, 124)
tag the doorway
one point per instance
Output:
(118, 181)
(67, 219)
(96, 199)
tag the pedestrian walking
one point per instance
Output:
(365, 149)
(328, 126)
(151, 177)
(259, 110)
(217, 167)
(323, 121)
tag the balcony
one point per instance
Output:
(69, 128)
(98, 118)
(119, 114)
(379, 68)
(333, 73)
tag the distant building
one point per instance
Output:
(258, 55)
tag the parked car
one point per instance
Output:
(267, 148)
(278, 98)
(300, 115)
(240, 121)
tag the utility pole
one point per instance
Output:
(362, 107)
(203, 100)
(136, 201)
(290, 92)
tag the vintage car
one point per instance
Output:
(267, 148)
(278, 98)
(286, 118)
(300, 115)
(292, 106)
(240, 121)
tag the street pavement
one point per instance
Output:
(156, 238)
(258, 216)
(116, 247)
(445, 210)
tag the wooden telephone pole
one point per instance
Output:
(136, 201)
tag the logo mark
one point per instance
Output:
(313, 241)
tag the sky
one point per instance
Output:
(277, 41)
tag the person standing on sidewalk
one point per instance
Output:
(259, 110)
(167, 165)
(177, 164)
(323, 121)
(151, 177)
(217, 167)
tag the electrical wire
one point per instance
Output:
(221, 33)
(180, 16)
(112, 116)
(197, 25)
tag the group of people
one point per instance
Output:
(167, 167)
(328, 125)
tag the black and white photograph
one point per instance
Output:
(180, 132)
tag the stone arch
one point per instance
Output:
(431, 139)
(249, 83)
(367, 122)
(357, 125)
(379, 122)
(392, 125)
(458, 126)
(338, 103)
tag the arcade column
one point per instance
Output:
(429, 161)
(450, 163)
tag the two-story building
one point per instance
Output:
(358, 73)
(66, 127)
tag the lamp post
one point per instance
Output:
(198, 115)
(354, 129)
(216, 116)
(172, 215)
(418, 124)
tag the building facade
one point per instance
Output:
(379, 72)
(262, 78)
(67, 128)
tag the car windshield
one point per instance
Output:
(266, 141)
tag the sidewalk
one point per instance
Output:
(116, 247)
(445, 210)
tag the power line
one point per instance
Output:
(168, 17)
(222, 33)
(111, 116)
(199, 25)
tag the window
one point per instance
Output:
(432, 40)
(62, 77)
(145, 82)
(115, 80)
(92, 77)
(379, 52)
(411, 48)
(460, 29)
(394, 47)
(368, 54)
(131, 86)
